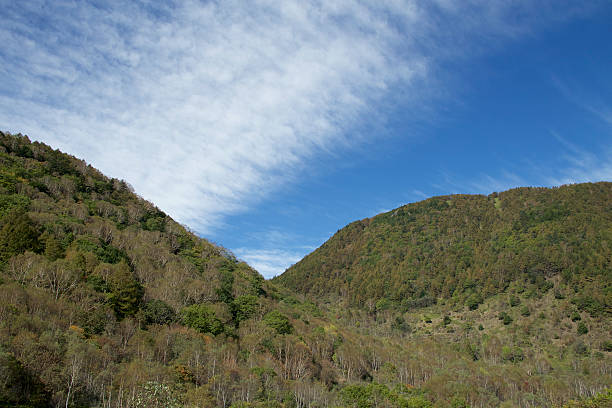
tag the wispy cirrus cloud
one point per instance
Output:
(571, 164)
(582, 165)
(206, 107)
(270, 262)
(272, 251)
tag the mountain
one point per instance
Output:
(105, 301)
(467, 248)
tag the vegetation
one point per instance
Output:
(107, 302)
(467, 248)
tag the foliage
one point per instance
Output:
(278, 322)
(125, 291)
(156, 395)
(202, 318)
(467, 248)
(244, 307)
(601, 400)
(19, 388)
(374, 394)
(400, 324)
(118, 305)
(158, 312)
(18, 234)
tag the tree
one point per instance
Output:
(125, 291)
(154, 394)
(18, 234)
(278, 321)
(158, 312)
(202, 318)
(60, 277)
(18, 387)
(244, 307)
(53, 248)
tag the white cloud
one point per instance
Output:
(206, 107)
(581, 165)
(570, 164)
(270, 262)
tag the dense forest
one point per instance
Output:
(467, 248)
(460, 301)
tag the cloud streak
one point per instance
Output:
(270, 262)
(207, 107)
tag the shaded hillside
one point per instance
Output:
(469, 247)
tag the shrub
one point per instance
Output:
(400, 324)
(158, 312)
(505, 318)
(581, 349)
(278, 322)
(582, 328)
(512, 354)
(202, 318)
(525, 311)
(473, 301)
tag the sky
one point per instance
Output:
(266, 126)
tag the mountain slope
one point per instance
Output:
(107, 302)
(469, 247)
(70, 214)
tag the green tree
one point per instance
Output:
(53, 248)
(244, 306)
(158, 312)
(18, 234)
(19, 388)
(202, 318)
(125, 291)
(278, 321)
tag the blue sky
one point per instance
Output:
(266, 128)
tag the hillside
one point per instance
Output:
(467, 248)
(105, 301)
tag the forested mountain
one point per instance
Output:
(466, 248)
(105, 301)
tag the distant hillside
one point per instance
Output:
(466, 248)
